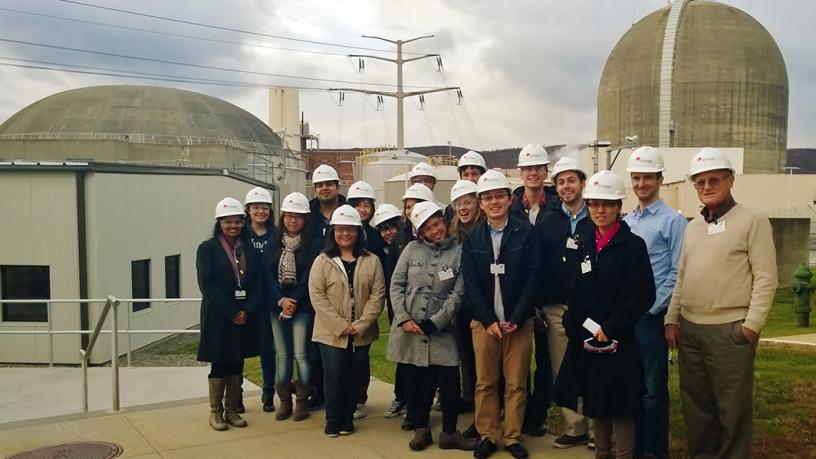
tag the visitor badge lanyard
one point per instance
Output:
(234, 258)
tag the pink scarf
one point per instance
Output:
(601, 240)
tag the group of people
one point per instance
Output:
(476, 290)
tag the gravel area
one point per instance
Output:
(173, 351)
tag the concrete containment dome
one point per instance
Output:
(698, 73)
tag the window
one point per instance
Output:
(172, 276)
(25, 283)
(140, 283)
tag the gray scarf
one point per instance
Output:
(287, 270)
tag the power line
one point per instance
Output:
(169, 34)
(184, 64)
(228, 29)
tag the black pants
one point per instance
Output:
(468, 362)
(317, 373)
(399, 383)
(365, 380)
(419, 385)
(342, 369)
(539, 396)
(222, 369)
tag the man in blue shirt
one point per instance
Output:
(662, 228)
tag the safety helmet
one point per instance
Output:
(567, 163)
(359, 190)
(346, 215)
(422, 169)
(228, 207)
(492, 180)
(709, 159)
(384, 213)
(533, 155)
(461, 188)
(419, 192)
(258, 195)
(645, 159)
(422, 212)
(605, 185)
(325, 173)
(296, 203)
(471, 158)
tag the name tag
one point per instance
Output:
(497, 268)
(586, 266)
(571, 244)
(445, 275)
(716, 228)
(591, 326)
(240, 294)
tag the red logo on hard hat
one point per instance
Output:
(637, 159)
(596, 183)
(699, 158)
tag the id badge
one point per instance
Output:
(445, 275)
(571, 244)
(586, 266)
(497, 268)
(240, 294)
(716, 228)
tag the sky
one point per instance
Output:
(528, 73)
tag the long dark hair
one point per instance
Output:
(332, 250)
(305, 233)
(217, 228)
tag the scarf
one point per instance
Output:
(287, 269)
(601, 240)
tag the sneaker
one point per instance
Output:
(346, 428)
(360, 412)
(591, 443)
(397, 408)
(568, 441)
(331, 431)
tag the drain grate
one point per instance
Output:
(81, 450)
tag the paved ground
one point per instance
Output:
(804, 340)
(180, 430)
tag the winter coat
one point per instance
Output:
(266, 342)
(329, 292)
(373, 241)
(221, 340)
(560, 265)
(615, 293)
(552, 203)
(304, 257)
(419, 293)
(520, 281)
(318, 223)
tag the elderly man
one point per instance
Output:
(725, 285)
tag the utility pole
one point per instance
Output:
(399, 94)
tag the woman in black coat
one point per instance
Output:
(231, 281)
(614, 289)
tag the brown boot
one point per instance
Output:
(231, 401)
(456, 440)
(422, 439)
(284, 391)
(217, 386)
(302, 393)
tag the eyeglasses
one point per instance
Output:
(713, 182)
(606, 204)
(493, 197)
(340, 230)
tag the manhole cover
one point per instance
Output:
(81, 450)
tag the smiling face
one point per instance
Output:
(259, 212)
(471, 173)
(293, 223)
(713, 187)
(534, 176)
(326, 192)
(365, 208)
(604, 212)
(388, 231)
(345, 236)
(646, 185)
(434, 229)
(495, 203)
(407, 206)
(231, 226)
(467, 208)
(570, 187)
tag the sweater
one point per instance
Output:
(728, 272)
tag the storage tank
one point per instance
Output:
(379, 166)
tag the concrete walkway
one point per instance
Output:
(802, 340)
(180, 430)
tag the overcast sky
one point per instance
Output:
(528, 73)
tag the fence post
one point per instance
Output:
(50, 313)
(115, 352)
(82, 356)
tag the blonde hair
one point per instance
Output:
(457, 230)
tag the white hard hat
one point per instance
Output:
(360, 190)
(471, 158)
(422, 212)
(228, 207)
(346, 215)
(533, 155)
(709, 159)
(605, 185)
(422, 169)
(419, 192)
(325, 173)
(461, 188)
(567, 163)
(258, 195)
(492, 180)
(296, 203)
(645, 159)
(384, 213)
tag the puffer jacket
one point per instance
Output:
(332, 302)
(421, 294)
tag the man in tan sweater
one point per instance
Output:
(725, 286)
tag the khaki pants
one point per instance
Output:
(716, 386)
(509, 356)
(557, 342)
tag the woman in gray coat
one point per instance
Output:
(426, 291)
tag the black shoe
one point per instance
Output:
(268, 405)
(332, 431)
(568, 441)
(240, 409)
(407, 425)
(485, 449)
(534, 430)
(471, 432)
(315, 403)
(517, 450)
(347, 428)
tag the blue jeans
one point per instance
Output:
(267, 358)
(652, 427)
(342, 371)
(292, 344)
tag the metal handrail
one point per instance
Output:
(84, 354)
